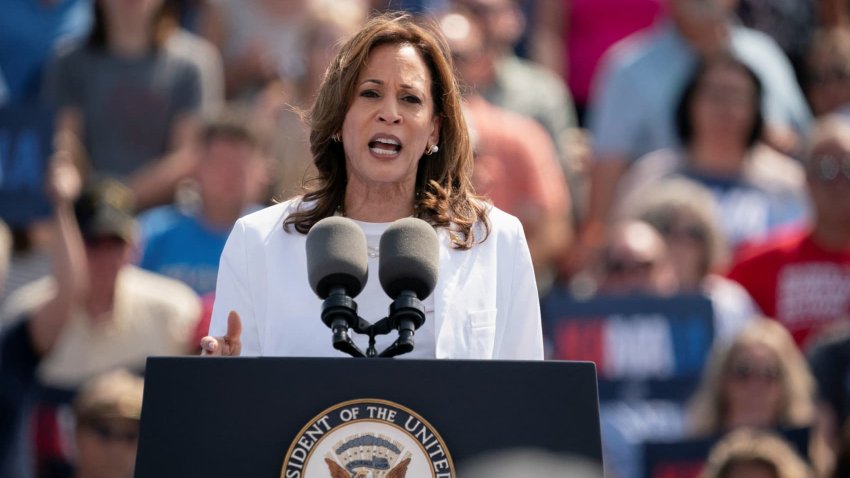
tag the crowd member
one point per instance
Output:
(571, 37)
(279, 112)
(719, 123)
(802, 279)
(126, 315)
(26, 340)
(29, 33)
(513, 83)
(106, 414)
(749, 453)
(827, 75)
(126, 105)
(259, 41)
(829, 358)
(680, 210)
(198, 51)
(516, 165)
(635, 260)
(636, 89)
(789, 22)
(760, 379)
(185, 243)
(389, 141)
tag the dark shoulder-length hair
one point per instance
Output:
(684, 123)
(444, 193)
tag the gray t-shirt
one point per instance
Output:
(129, 106)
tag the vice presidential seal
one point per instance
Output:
(368, 438)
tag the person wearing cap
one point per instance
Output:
(126, 314)
(107, 412)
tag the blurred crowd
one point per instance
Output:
(649, 147)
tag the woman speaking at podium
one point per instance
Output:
(389, 141)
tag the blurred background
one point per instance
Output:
(681, 169)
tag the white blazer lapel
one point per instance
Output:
(452, 262)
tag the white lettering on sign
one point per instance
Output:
(638, 347)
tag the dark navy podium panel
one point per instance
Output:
(225, 417)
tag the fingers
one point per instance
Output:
(234, 326)
(230, 344)
(210, 346)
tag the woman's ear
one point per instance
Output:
(434, 138)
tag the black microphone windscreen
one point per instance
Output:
(336, 256)
(410, 258)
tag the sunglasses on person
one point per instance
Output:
(623, 266)
(828, 168)
(691, 232)
(108, 433)
(745, 371)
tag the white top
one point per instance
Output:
(485, 303)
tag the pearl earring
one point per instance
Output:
(432, 149)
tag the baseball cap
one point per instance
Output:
(105, 209)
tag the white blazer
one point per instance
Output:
(485, 300)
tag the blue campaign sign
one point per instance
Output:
(26, 138)
(644, 347)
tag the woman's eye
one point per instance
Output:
(413, 99)
(369, 94)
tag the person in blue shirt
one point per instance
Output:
(185, 241)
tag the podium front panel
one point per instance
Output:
(225, 417)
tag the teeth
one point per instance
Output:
(383, 152)
(388, 141)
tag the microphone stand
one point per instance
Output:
(406, 314)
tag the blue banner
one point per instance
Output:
(644, 347)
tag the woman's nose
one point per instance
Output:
(389, 112)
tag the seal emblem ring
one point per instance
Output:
(368, 438)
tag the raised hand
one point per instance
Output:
(228, 345)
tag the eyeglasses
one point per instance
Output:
(105, 241)
(108, 433)
(827, 168)
(746, 371)
(621, 266)
(692, 232)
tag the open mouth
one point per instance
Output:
(385, 146)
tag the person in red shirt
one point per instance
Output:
(802, 279)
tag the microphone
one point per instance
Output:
(337, 269)
(409, 261)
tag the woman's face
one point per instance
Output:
(723, 106)
(753, 387)
(390, 121)
(138, 10)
